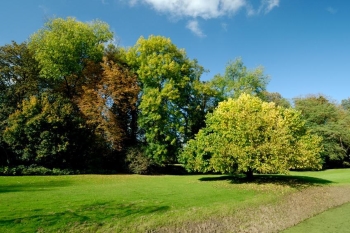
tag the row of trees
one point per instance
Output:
(71, 99)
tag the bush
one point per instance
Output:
(138, 162)
(33, 170)
(346, 164)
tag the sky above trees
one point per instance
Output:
(303, 45)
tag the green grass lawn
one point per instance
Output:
(336, 176)
(333, 220)
(133, 203)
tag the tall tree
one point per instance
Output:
(45, 131)
(276, 98)
(19, 75)
(167, 78)
(63, 48)
(203, 101)
(238, 79)
(19, 79)
(325, 118)
(247, 135)
(345, 103)
(109, 103)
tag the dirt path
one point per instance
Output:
(276, 217)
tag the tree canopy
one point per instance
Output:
(238, 79)
(64, 46)
(330, 121)
(248, 135)
(45, 131)
(167, 78)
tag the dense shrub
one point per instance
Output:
(34, 170)
(138, 162)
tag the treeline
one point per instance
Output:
(70, 100)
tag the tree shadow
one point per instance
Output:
(118, 210)
(284, 180)
(92, 214)
(34, 187)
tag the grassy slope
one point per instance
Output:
(336, 176)
(113, 202)
(131, 203)
(333, 220)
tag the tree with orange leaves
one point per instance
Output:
(109, 103)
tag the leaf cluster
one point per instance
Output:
(332, 122)
(248, 135)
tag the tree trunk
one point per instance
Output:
(249, 174)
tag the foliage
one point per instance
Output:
(64, 46)
(138, 162)
(203, 101)
(62, 105)
(33, 170)
(276, 98)
(69, 98)
(248, 135)
(167, 78)
(18, 80)
(45, 131)
(238, 79)
(331, 122)
(18, 76)
(108, 103)
(345, 103)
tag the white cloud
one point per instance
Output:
(194, 27)
(267, 5)
(331, 10)
(133, 2)
(206, 9)
(250, 10)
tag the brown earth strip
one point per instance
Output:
(291, 210)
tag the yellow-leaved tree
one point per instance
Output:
(248, 135)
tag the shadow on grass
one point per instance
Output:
(94, 214)
(32, 187)
(118, 210)
(284, 180)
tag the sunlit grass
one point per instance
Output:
(333, 220)
(133, 203)
(336, 176)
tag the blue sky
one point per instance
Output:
(304, 45)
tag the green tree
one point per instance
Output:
(167, 78)
(325, 118)
(276, 98)
(63, 48)
(238, 79)
(345, 103)
(203, 101)
(248, 135)
(19, 79)
(45, 131)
